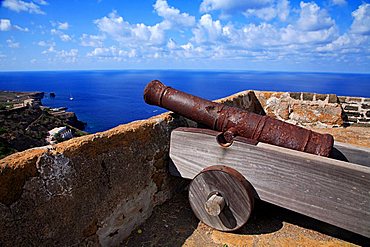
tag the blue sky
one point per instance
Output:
(269, 35)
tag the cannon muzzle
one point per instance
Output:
(232, 121)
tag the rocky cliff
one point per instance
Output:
(24, 124)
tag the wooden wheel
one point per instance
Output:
(221, 198)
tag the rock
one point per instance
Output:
(306, 114)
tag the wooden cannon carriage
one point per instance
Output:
(253, 156)
(225, 180)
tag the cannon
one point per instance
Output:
(234, 122)
(245, 156)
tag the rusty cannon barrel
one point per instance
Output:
(234, 122)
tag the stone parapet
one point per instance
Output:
(304, 109)
(356, 110)
(96, 189)
(92, 190)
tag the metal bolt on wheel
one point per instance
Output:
(221, 198)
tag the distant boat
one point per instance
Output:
(70, 97)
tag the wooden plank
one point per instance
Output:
(333, 191)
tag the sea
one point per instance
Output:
(105, 99)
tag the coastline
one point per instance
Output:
(26, 123)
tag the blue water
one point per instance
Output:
(105, 99)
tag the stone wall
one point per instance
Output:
(92, 190)
(304, 109)
(356, 110)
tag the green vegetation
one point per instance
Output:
(78, 133)
(58, 137)
(4, 106)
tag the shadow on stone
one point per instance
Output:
(268, 218)
(170, 224)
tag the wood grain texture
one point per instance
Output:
(333, 191)
(238, 199)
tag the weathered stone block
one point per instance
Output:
(333, 98)
(245, 100)
(365, 106)
(352, 119)
(283, 110)
(351, 108)
(364, 120)
(308, 114)
(308, 96)
(354, 99)
(361, 125)
(353, 114)
(295, 95)
(321, 97)
(342, 99)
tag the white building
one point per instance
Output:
(63, 133)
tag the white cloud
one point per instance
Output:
(113, 25)
(41, 2)
(124, 32)
(19, 6)
(68, 56)
(292, 35)
(353, 43)
(49, 44)
(232, 5)
(113, 53)
(64, 37)
(313, 28)
(12, 44)
(22, 29)
(312, 18)
(92, 40)
(308, 33)
(63, 25)
(2, 56)
(339, 2)
(51, 49)
(207, 30)
(361, 22)
(265, 10)
(266, 14)
(173, 15)
(43, 43)
(280, 9)
(171, 44)
(283, 9)
(5, 25)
